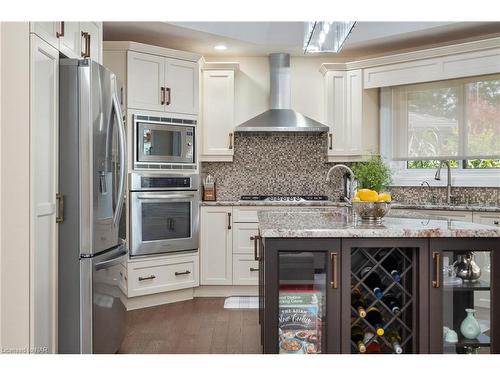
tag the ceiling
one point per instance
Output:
(262, 38)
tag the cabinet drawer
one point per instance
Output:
(245, 270)
(242, 244)
(174, 274)
(245, 214)
(492, 218)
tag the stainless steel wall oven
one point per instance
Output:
(163, 213)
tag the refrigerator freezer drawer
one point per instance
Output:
(164, 276)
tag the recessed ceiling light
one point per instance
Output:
(220, 47)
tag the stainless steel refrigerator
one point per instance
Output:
(92, 170)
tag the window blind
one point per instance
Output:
(455, 119)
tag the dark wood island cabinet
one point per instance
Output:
(330, 284)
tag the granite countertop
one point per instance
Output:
(335, 222)
(446, 207)
(278, 204)
(409, 206)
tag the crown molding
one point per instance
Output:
(220, 65)
(150, 49)
(474, 46)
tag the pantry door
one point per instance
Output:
(302, 296)
(463, 308)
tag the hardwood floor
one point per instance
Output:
(197, 326)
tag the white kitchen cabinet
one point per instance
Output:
(48, 31)
(216, 250)
(91, 33)
(44, 109)
(352, 115)
(164, 274)
(245, 270)
(217, 120)
(70, 39)
(181, 85)
(242, 244)
(487, 218)
(146, 75)
(162, 84)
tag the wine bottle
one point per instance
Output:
(374, 317)
(392, 302)
(395, 339)
(372, 281)
(371, 343)
(357, 335)
(390, 263)
(358, 302)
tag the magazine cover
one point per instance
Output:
(299, 322)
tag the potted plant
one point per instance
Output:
(373, 174)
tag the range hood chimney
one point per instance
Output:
(280, 118)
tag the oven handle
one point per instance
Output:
(163, 196)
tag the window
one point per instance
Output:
(456, 120)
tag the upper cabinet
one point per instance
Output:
(162, 84)
(73, 39)
(146, 78)
(156, 79)
(352, 115)
(217, 119)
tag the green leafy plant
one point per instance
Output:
(373, 174)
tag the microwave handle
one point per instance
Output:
(123, 158)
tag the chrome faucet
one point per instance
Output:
(448, 182)
(348, 181)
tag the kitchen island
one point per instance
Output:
(320, 271)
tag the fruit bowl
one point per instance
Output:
(371, 211)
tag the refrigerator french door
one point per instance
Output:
(92, 170)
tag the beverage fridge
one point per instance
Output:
(92, 170)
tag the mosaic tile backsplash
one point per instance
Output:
(295, 164)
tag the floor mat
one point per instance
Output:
(241, 302)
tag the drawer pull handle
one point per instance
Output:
(436, 283)
(182, 273)
(150, 277)
(255, 240)
(330, 136)
(253, 269)
(229, 220)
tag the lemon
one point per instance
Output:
(367, 195)
(384, 197)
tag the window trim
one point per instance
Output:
(401, 176)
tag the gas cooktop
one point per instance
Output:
(284, 198)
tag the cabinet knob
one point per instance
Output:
(496, 222)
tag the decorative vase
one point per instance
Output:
(470, 327)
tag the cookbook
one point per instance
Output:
(299, 321)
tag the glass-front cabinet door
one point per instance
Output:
(305, 318)
(462, 290)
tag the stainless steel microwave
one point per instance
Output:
(164, 143)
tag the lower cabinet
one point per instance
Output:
(162, 274)
(366, 295)
(227, 246)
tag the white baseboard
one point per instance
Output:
(226, 290)
(157, 299)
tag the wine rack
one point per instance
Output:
(364, 262)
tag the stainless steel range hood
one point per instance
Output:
(280, 118)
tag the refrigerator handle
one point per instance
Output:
(123, 159)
